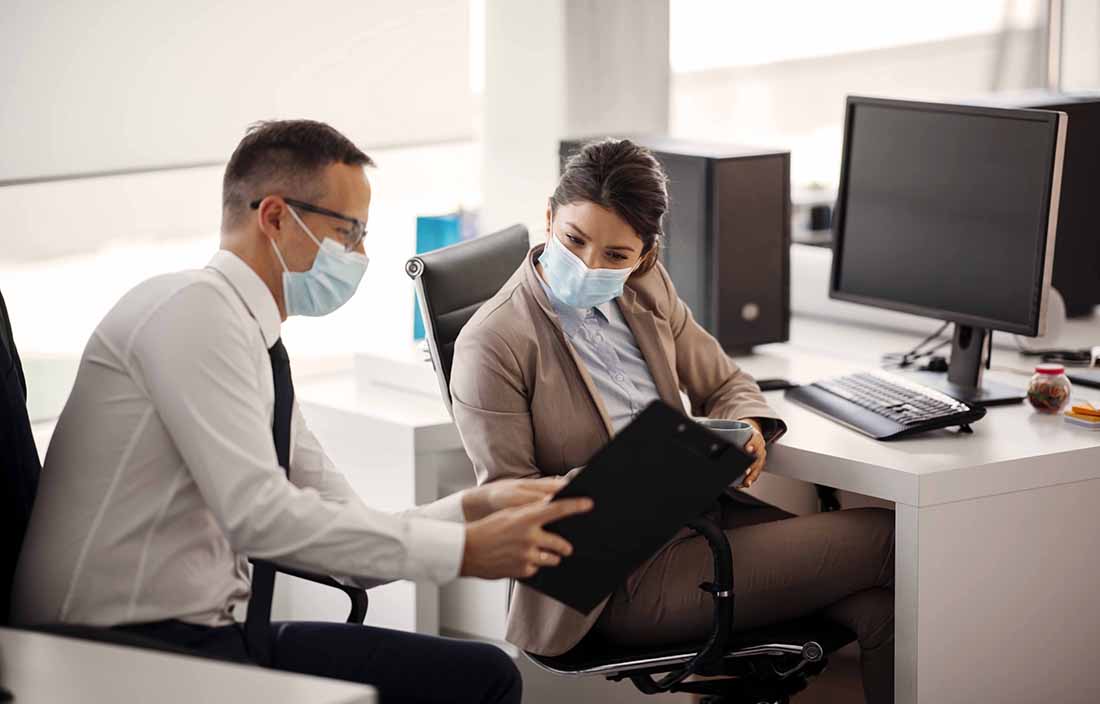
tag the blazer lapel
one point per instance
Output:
(534, 288)
(644, 325)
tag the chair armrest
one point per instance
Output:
(722, 591)
(257, 625)
(358, 597)
(721, 588)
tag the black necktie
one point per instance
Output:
(263, 573)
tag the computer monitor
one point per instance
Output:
(950, 212)
(1077, 256)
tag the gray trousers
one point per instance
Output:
(785, 567)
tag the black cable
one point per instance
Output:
(917, 348)
(906, 359)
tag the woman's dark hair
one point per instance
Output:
(625, 178)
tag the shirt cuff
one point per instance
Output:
(434, 549)
(449, 508)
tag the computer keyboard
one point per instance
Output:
(883, 405)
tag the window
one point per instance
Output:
(777, 73)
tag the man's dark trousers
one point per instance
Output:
(404, 667)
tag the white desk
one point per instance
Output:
(39, 668)
(927, 470)
(997, 595)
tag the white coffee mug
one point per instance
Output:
(735, 432)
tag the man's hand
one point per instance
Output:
(479, 502)
(512, 542)
(757, 447)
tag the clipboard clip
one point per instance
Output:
(717, 591)
(700, 444)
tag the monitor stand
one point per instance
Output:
(963, 380)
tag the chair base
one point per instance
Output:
(756, 685)
(753, 680)
(765, 665)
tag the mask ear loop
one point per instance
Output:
(302, 225)
(279, 255)
(304, 229)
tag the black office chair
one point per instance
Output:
(452, 283)
(19, 483)
(763, 665)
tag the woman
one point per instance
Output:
(583, 336)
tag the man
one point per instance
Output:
(166, 470)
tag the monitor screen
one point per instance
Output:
(943, 211)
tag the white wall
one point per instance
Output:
(1081, 47)
(522, 109)
(105, 235)
(557, 69)
(92, 85)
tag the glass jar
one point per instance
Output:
(1049, 389)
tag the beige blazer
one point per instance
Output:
(526, 406)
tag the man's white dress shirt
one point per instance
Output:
(161, 478)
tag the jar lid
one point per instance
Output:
(1050, 369)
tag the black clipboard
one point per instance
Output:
(658, 473)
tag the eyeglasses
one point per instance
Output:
(351, 238)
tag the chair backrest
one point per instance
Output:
(19, 465)
(453, 282)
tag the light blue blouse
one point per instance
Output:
(606, 345)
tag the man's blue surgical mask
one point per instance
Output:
(328, 284)
(573, 283)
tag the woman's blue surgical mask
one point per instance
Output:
(328, 284)
(573, 283)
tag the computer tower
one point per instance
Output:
(1077, 248)
(727, 236)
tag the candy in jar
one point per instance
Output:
(1049, 389)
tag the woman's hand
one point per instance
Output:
(479, 502)
(757, 447)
